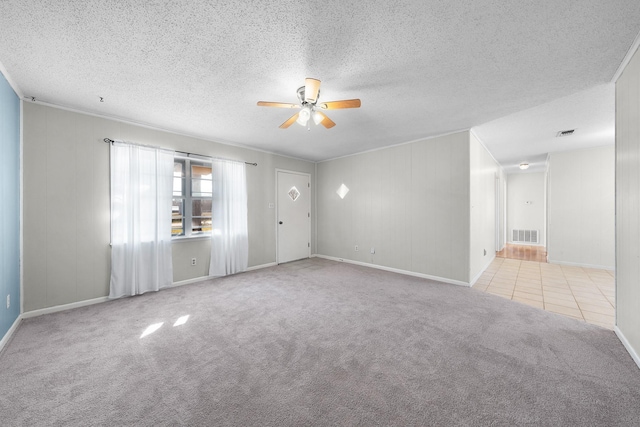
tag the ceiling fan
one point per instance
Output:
(310, 107)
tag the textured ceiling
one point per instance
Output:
(421, 68)
(520, 137)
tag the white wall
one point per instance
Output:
(523, 188)
(628, 207)
(581, 208)
(502, 209)
(66, 203)
(410, 202)
(484, 172)
(427, 207)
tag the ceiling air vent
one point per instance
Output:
(565, 133)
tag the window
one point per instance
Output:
(192, 198)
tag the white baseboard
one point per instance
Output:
(63, 307)
(627, 345)
(10, 333)
(396, 270)
(189, 281)
(523, 244)
(258, 267)
(482, 270)
(57, 308)
(203, 278)
(577, 264)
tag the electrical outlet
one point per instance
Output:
(373, 250)
(8, 300)
(193, 261)
(271, 206)
(356, 248)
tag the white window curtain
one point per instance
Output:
(141, 192)
(229, 235)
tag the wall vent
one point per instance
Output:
(565, 133)
(525, 236)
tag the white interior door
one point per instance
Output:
(293, 216)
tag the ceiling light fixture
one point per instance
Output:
(317, 117)
(524, 166)
(308, 96)
(304, 115)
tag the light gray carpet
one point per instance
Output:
(316, 343)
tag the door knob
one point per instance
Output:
(280, 222)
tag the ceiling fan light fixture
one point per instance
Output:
(317, 117)
(304, 116)
(310, 108)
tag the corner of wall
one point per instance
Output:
(627, 212)
(632, 352)
(483, 210)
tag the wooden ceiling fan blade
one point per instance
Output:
(335, 105)
(277, 104)
(290, 121)
(311, 89)
(326, 121)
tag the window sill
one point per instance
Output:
(189, 238)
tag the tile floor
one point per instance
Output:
(585, 294)
(524, 252)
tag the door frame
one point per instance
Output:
(308, 175)
(497, 183)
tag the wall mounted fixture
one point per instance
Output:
(342, 191)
